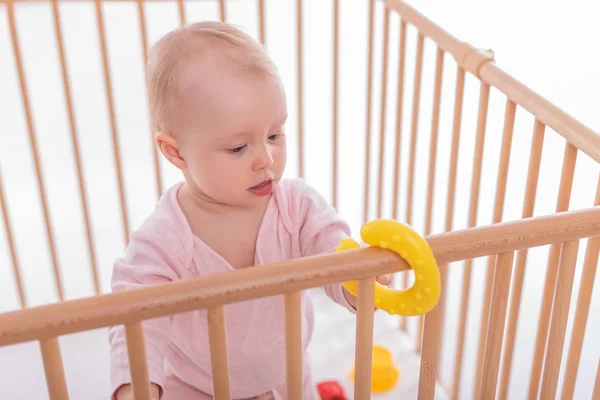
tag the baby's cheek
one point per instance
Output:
(197, 162)
(227, 176)
(280, 159)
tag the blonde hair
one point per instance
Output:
(199, 39)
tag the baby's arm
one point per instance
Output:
(321, 230)
(150, 259)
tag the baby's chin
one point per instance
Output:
(242, 199)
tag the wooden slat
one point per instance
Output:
(222, 11)
(564, 196)
(34, 148)
(586, 291)
(495, 329)
(533, 173)
(398, 138)
(53, 369)
(11, 245)
(181, 8)
(484, 96)
(399, 114)
(433, 145)
(413, 145)
(451, 193)
(384, 78)
(596, 394)
(369, 106)
(218, 352)
(414, 130)
(75, 144)
(364, 339)
(456, 126)
(560, 315)
(336, 67)
(507, 137)
(138, 365)
(432, 344)
(144, 42)
(300, 88)
(261, 22)
(112, 119)
(293, 345)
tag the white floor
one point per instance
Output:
(553, 53)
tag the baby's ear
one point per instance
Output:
(169, 149)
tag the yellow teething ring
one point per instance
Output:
(403, 240)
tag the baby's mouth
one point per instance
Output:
(263, 188)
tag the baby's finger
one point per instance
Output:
(384, 279)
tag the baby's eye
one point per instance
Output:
(274, 137)
(237, 149)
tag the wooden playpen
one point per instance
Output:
(504, 244)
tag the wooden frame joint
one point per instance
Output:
(473, 59)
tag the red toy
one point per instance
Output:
(331, 390)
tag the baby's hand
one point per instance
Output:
(125, 392)
(385, 280)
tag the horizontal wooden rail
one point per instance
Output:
(53, 320)
(482, 66)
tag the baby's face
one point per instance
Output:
(232, 134)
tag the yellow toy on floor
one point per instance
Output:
(384, 374)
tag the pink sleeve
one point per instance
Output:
(321, 230)
(151, 258)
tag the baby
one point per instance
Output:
(218, 106)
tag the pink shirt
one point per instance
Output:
(298, 222)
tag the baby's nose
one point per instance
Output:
(264, 159)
